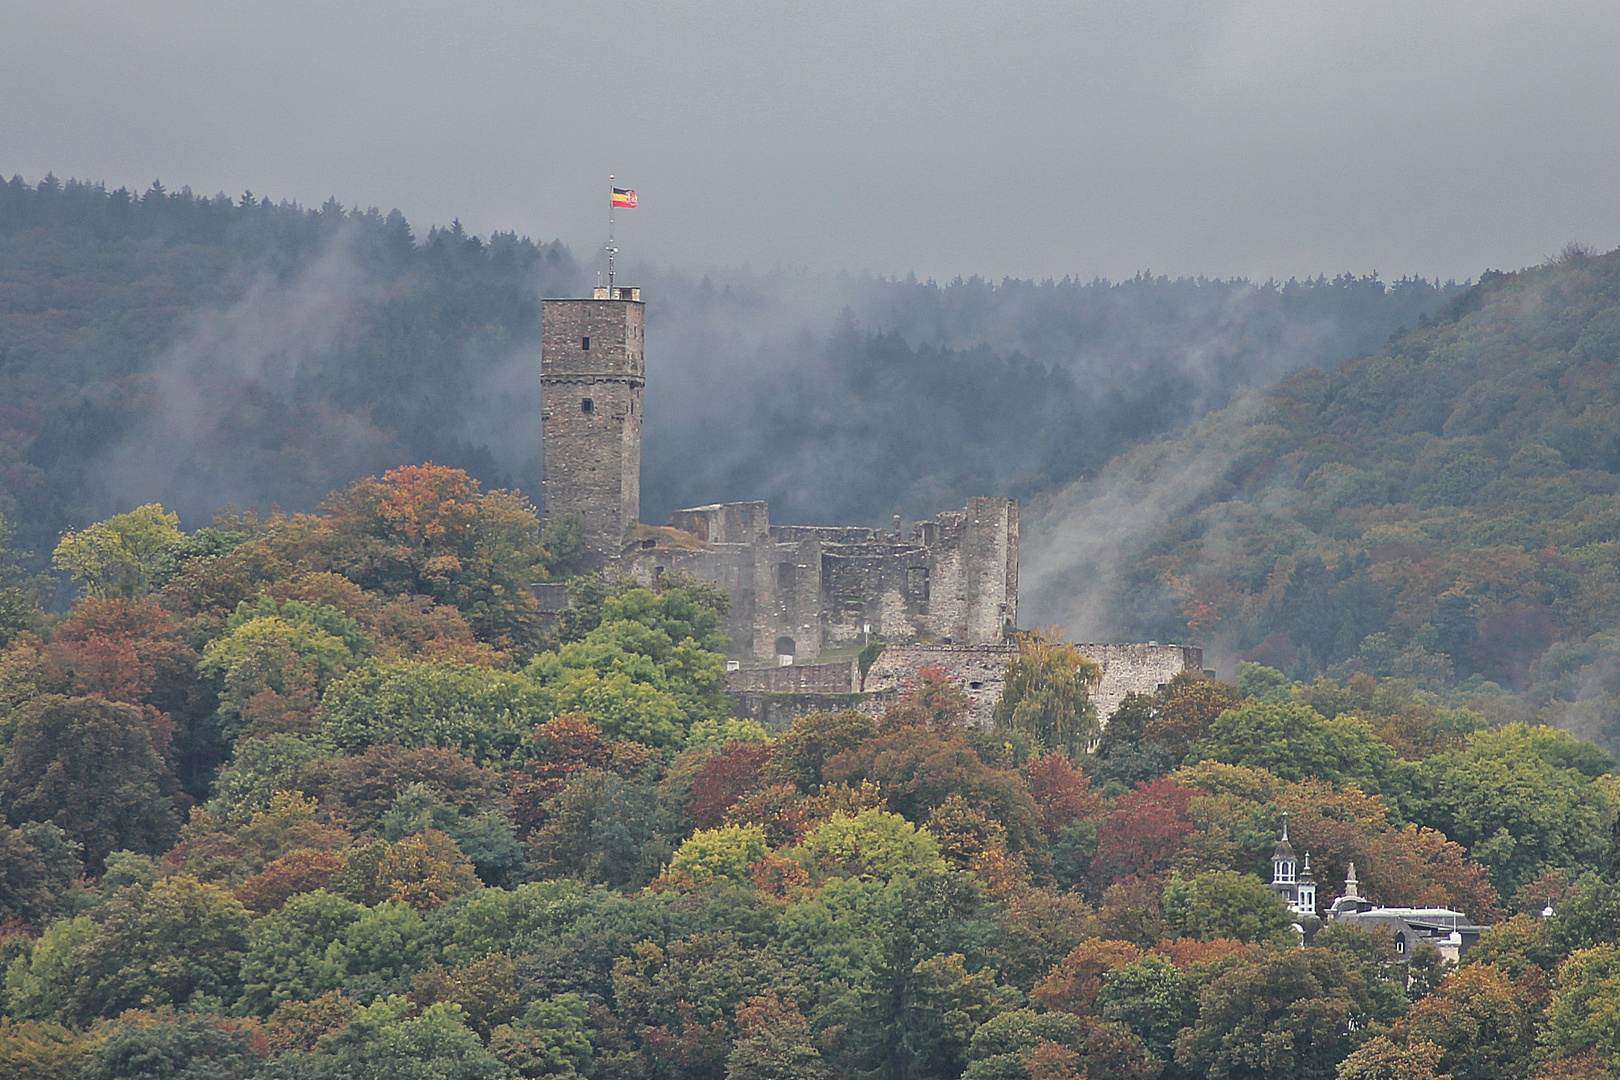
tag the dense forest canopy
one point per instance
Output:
(1446, 510)
(317, 793)
(921, 395)
(203, 351)
(200, 351)
(318, 796)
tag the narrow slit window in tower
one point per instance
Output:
(917, 582)
(587, 406)
(585, 343)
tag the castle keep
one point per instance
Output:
(591, 376)
(804, 598)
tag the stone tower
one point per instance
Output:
(591, 376)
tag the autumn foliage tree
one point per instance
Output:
(1144, 832)
(88, 765)
(1047, 695)
(429, 530)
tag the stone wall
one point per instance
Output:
(591, 374)
(775, 712)
(1138, 669)
(803, 590)
(794, 679)
(979, 671)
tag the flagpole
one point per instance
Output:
(610, 247)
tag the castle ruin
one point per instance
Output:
(799, 592)
(591, 376)
(804, 599)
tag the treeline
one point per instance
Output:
(202, 350)
(922, 395)
(1447, 510)
(318, 796)
(167, 347)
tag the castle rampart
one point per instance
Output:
(799, 592)
(979, 671)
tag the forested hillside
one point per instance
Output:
(860, 397)
(317, 797)
(1447, 510)
(206, 351)
(200, 351)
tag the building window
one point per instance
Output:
(786, 572)
(585, 343)
(917, 583)
(587, 406)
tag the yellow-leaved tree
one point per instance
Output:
(117, 557)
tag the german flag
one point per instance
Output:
(624, 198)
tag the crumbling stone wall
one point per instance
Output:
(979, 671)
(591, 376)
(1138, 669)
(836, 678)
(805, 590)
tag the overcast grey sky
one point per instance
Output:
(1094, 138)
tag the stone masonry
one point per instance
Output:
(591, 377)
(979, 671)
(799, 592)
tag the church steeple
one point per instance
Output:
(1291, 880)
(1282, 860)
(1307, 888)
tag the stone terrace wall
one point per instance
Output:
(979, 670)
(1138, 669)
(794, 679)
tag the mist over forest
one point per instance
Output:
(199, 352)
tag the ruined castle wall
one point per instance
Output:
(884, 585)
(776, 712)
(1140, 669)
(989, 567)
(953, 581)
(730, 566)
(979, 671)
(787, 599)
(837, 678)
(829, 534)
(726, 523)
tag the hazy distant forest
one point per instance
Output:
(203, 351)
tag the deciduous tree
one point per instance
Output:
(88, 765)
